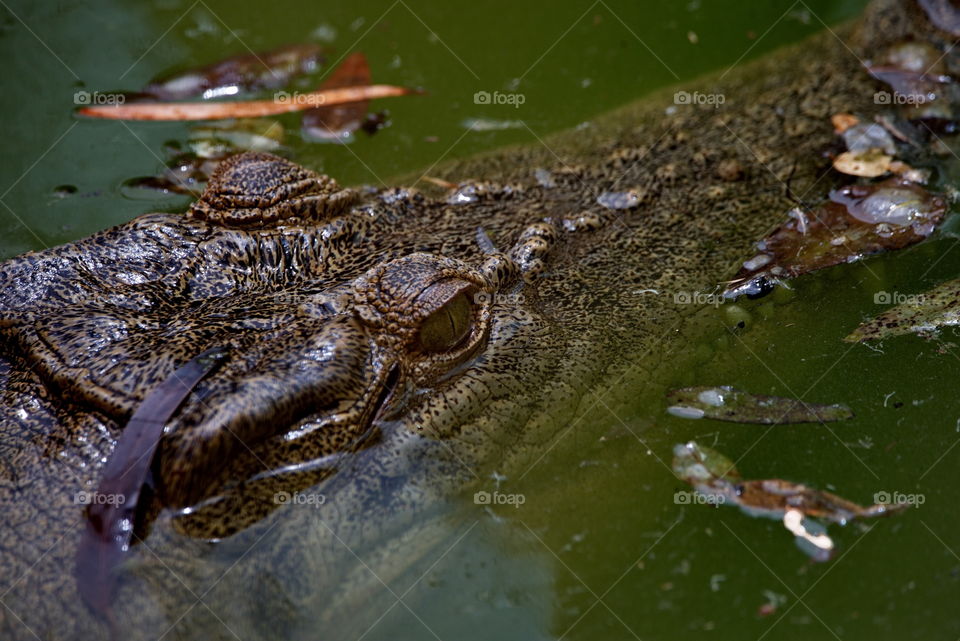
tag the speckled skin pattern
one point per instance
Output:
(324, 294)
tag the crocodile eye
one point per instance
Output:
(446, 327)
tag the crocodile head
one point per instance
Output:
(340, 318)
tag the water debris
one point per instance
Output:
(715, 477)
(915, 74)
(490, 124)
(914, 314)
(772, 604)
(332, 113)
(221, 138)
(338, 123)
(110, 517)
(282, 103)
(811, 536)
(340, 102)
(240, 74)
(866, 136)
(725, 403)
(856, 221)
(187, 172)
(868, 163)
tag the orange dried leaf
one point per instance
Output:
(440, 182)
(284, 103)
(842, 122)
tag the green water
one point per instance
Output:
(600, 521)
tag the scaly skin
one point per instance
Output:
(382, 352)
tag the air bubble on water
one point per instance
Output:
(715, 581)
(324, 33)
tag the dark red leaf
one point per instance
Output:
(111, 510)
(334, 123)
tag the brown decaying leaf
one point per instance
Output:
(716, 478)
(724, 403)
(110, 518)
(248, 72)
(241, 109)
(713, 473)
(335, 122)
(857, 220)
(913, 314)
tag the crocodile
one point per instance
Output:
(386, 347)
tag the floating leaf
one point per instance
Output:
(707, 469)
(696, 464)
(725, 403)
(914, 72)
(110, 518)
(915, 314)
(912, 174)
(866, 136)
(858, 220)
(712, 475)
(869, 163)
(918, 93)
(843, 121)
(284, 103)
(220, 138)
(240, 74)
(337, 123)
(186, 174)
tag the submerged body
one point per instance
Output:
(385, 352)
